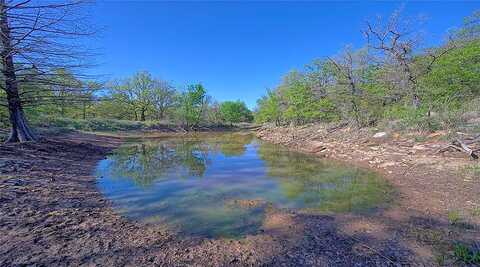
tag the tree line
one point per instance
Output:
(143, 97)
(391, 79)
(140, 97)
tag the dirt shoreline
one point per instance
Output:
(51, 214)
(431, 186)
(430, 181)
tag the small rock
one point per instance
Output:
(419, 147)
(387, 164)
(380, 135)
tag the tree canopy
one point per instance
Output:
(235, 111)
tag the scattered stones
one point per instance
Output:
(380, 135)
(387, 164)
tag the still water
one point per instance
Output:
(220, 185)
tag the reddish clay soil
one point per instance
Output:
(51, 214)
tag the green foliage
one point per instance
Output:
(269, 109)
(191, 105)
(128, 104)
(476, 212)
(454, 217)
(325, 186)
(303, 107)
(466, 254)
(295, 102)
(4, 122)
(135, 93)
(235, 111)
(90, 124)
(454, 77)
(436, 92)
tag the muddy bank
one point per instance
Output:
(51, 213)
(431, 185)
(430, 182)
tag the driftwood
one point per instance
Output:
(463, 146)
(473, 140)
(467, 150)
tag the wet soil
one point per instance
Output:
(51, 214)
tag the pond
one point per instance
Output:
(220, 185)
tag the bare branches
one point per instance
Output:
(46, 35)
(397, 43)
(44, 38)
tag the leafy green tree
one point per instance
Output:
(135, 92)
(213, 114)
(163, 96)
(454, 78)
(268, 108)
(235, 111)
(302, 105)
(192, 104)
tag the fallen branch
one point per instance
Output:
(467, 149)
(462, 146)
(473, 140)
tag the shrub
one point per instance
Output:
(454, 217)
(466, 254)
(90, 124)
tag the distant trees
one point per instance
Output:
(36, 42)
(268, 108)
(298, 100)
(136, 93)
(192, 105)
(235, 111)
(163, 98)
(140, 97)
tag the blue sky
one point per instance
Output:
(238, 49)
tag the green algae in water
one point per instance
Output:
(190, 183)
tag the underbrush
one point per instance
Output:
(92, 124)
(466, 254)
(452, 118)
(45, 125)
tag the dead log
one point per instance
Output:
(473, 140)
(463, 146)
(467, 150)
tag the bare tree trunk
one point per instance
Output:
(20, 131)
(142, 114)
(161, 114)
(62, 108)
(84, 110)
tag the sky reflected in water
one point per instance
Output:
(218, 185)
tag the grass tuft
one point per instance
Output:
(454, 217)
(466, 255)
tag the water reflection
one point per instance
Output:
(190, 183)
(323, 185)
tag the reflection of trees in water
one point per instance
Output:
(176, 157)
(322, 185)
(144, 163)
(234, 144)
